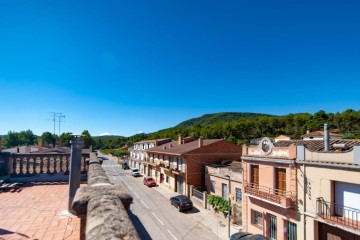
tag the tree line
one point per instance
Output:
(238, 131)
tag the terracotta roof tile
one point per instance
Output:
(177, 148)
(318, 145)
(320, 133)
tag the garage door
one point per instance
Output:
(347, 195)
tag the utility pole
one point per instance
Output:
(60, 117)
(55, 115)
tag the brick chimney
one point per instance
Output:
(40, 144)
(180, 139)
(201, 142)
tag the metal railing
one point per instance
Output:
(198, 194)
(337, 213)
(271, 194)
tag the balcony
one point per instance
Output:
(280, 198)
(338, 214)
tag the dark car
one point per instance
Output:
(125, 166)
(246, 236)
(149, 181)
(181, 202)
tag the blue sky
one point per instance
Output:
(121, 67)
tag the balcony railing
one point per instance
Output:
(283, 198)
(23, 165)
(342, 215)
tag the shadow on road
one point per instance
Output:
(139, 226)
(193, 210)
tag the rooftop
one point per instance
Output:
(175, 148)
(320, 133)
(35, 211)
(318, 145)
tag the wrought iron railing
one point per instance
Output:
(337, 213)
(285, 198)
(198, 194)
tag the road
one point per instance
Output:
(153, 215)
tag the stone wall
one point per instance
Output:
(103, 207)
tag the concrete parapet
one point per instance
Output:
(103, 207)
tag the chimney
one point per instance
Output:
(91, 148)
(156, 143)
(180, 139)
(201, 141)
(307, 131)
(40, 144)
(326, 137)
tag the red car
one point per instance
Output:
(149, 181)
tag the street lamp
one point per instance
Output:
(228, 176)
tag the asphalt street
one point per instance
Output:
(153, 215)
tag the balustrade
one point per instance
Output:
(31, 164)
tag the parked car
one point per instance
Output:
(246, 236)
(149, 181)
(135, 172)
(181, 202)
(125, 166)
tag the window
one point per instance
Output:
(256, 218)
(179, 164)
(224, 191)
(291, 231)
(272, 227)
(213, 184)
(167, 180)
(238, 195)
(171, 160)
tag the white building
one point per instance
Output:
(138, 155)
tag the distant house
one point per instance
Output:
(319, 135)
(282, 138)
(179, 164)
(217, 183)
(138, 154)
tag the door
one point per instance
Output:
(272, 227)
(255, 176)
(179, 184)
(280, 181)
(161, 177)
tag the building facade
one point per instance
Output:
(179, 164)
(329, 189)
(138, 155)
(217, 183)
(270, 200)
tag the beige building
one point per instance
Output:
(328, 190)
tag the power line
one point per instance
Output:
(59, 116)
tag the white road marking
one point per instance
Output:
(144, 204)
(171, 234)
(136, 194)
(157, 218)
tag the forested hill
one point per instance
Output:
(219, 117)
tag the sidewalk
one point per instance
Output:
(215, 222)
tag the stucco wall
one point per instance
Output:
(319, 181)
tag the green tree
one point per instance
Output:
(88, 140)
(64, 139)
(48, 138)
